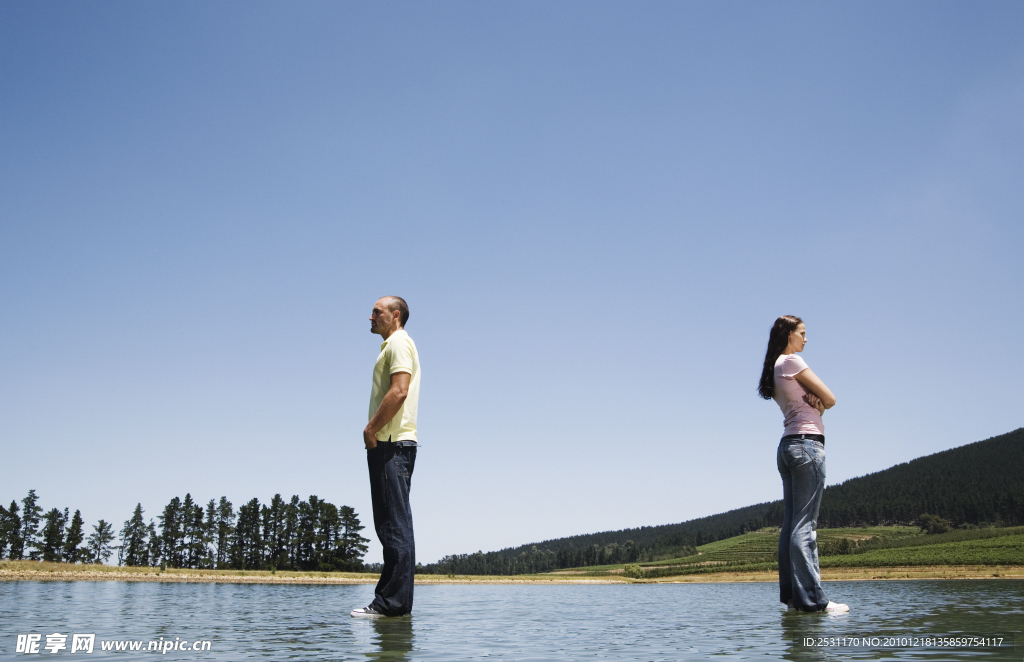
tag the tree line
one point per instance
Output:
(311, 534)
(974, 485)
(61, 537)
(534, 559)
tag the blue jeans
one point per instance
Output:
(391, 465)
(802, 465)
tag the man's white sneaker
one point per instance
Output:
(370, 612)
(835, 608)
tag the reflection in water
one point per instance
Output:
(908, 620)
(798, 626)
(394, 638)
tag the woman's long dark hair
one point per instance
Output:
(778, 340)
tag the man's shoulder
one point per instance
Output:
(402, 336)
(400, 340)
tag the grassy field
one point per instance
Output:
(43, 571)
(15, 570)
(36, 571)
(1003, 550)
(872, 548)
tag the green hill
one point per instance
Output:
(867, 547)
(977, 484)
(973, 484)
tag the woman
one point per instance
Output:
(803, 398)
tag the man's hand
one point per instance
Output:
(389, 406)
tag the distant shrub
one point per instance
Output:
(834, 546)
(634, 571)
(934, 524)
(998, 524)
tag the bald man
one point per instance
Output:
(390, 440)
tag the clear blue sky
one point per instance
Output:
(595, 211)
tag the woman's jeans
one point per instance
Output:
(802, 465)
(391, 465)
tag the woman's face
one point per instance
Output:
(797, 338)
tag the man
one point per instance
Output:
(390, 440)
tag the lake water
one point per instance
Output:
(523, 623)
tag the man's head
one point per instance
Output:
(389, 315)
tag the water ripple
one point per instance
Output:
(531, 623)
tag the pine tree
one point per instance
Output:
(275, 533)
(267, 537)
(351, 546)
(72, 551)
(196, 544)
(191, 533)
(14, 532)
(254, 558)
(133, 550)
(53, 535)
(5, 531)
(225, 532)
(291, 534)
(30, 516)
(305, 537)
(247, 547)
(209, 535)
(328, 531)
(98, 545)
(170, 534)
(154, 546)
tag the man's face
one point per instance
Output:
(383, 321)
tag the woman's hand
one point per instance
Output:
(812, 384)
(815, 402)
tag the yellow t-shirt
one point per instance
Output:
(397, 354)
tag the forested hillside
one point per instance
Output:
(974, 484)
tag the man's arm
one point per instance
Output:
(389, 406)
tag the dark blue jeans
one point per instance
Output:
(802, 466)
(391, 465)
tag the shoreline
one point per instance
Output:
(36, 571)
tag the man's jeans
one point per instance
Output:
(802, 465)
(391, 465)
